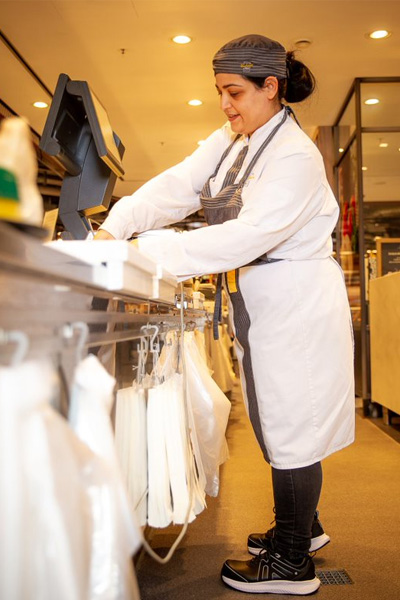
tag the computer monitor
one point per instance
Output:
(79, 134)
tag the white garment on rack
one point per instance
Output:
(116, 535)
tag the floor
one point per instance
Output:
(359, 508)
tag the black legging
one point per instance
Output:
(296, 495)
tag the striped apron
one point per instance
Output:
(225, 206)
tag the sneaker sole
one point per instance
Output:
(319, 542)
(316, 544)
(281, 586)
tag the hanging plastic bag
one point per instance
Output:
(131, 445)
(200, 340)
(45, 532)
(220, 361)
(116, 535)
(186, 502)
(176, 493)
(159, 494)
(210, 409)
(168, 366)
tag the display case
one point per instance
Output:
(367, 180)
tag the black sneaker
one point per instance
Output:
(257, 542)
(270, 573)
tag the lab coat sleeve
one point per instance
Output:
(172, 195)
(283, 200)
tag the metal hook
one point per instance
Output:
(190, 326)
(68, 333)
(143, 349)
(154, 346)
(16, 337)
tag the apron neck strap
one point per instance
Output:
(262, 148)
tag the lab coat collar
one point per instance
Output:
(262, 132)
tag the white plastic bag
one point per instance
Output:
(221, 363)
(116, 535)
(45, 529)
(210, 409)
(131, 444)
(170, 366)
(159, 494)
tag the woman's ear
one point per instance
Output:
(271, 87)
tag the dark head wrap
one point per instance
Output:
(252, 56)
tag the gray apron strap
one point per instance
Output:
(217, 315)
(261, 150)
(225, 154)
(229, 181)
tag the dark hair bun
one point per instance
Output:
(300, 80)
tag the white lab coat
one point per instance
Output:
(300, 327)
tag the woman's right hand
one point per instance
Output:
(102, 234)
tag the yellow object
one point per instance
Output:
(20, 199)
(231, 281)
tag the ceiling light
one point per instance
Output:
(341, 149)
(364, 168)
(182, 39)
(195, 102)
(371, 101)
(40, 104)
(379, 34)
(302, 43)
(383, 145)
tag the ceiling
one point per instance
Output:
(124, 49)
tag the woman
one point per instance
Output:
(262, 184)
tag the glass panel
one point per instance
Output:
(349, 229)
(346, 127)
(384, 114)
(381, 186)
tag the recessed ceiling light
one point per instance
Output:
(379, 34)
(195, 102)
(40, 104)
(341, 149)
(364, 168)
(383, 145)
(371, 101)
(302, 43)
(182, 39)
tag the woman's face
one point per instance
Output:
(246, 106)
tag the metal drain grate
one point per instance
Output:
(340, 577)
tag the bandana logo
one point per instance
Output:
(246, 66)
